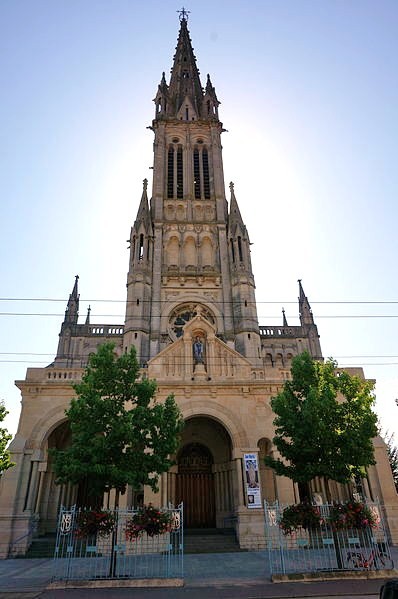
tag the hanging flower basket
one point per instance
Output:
(301, 515)
(150, 520)
(341, 516)
(94, 522)
(352, 514)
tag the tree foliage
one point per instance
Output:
(5, 460)
(392, 452)
(120, 434)
(324, 423)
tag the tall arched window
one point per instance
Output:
(196, 173)
(141, 248)
(240, 249)
(201, 173)
(175, 172)
(232, 250)
(180, 188)
(133, 249)
(170, 173)
(206, 179)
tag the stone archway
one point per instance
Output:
(49, 495)
(204, 477)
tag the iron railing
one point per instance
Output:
(324, 548)
(113, 555)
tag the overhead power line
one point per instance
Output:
(275, 316)
(340, 365)
(124, 301)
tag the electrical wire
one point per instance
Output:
(65, 300)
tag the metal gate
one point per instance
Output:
(325, 548)
(108, 553)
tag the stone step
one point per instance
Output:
(210, 541)
(41, 547)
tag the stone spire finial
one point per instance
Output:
(284, 318)
(88, 315)
(183, 14)
(145, 184)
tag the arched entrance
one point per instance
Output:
(204, 476)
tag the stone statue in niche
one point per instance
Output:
(198, 350)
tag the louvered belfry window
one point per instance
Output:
(201, 174)
(180, 187)
(170, 173)
(175, 172)
(206, 179)
(196, 173)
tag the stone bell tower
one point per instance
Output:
(189, 252)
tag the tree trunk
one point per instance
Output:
(339, 559)
(112, 565)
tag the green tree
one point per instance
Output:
(120, 434)
(5, 461)
(324, 423)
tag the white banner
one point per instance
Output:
(252, 478)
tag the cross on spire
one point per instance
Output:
(183, 14)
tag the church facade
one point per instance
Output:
(191, 315)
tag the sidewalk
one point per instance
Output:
(229, 574)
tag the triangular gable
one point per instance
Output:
(220, 362)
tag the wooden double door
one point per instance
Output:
(195, 486)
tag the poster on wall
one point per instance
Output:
(252, 479)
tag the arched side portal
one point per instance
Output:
(204, 476)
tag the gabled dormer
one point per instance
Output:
(187, 110)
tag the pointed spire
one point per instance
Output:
(72, 308)
(284, 318)
(183, 99)
(143, 214)
(75, 293)
(210, 101)
(163, 85)
(88, 315)
(209, 88)
(306, 316)
(235, 218)
(162, 98)
(185, 89)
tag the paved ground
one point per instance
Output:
(207, 576)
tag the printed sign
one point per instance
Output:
(252, 479)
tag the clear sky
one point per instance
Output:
(309, 94)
